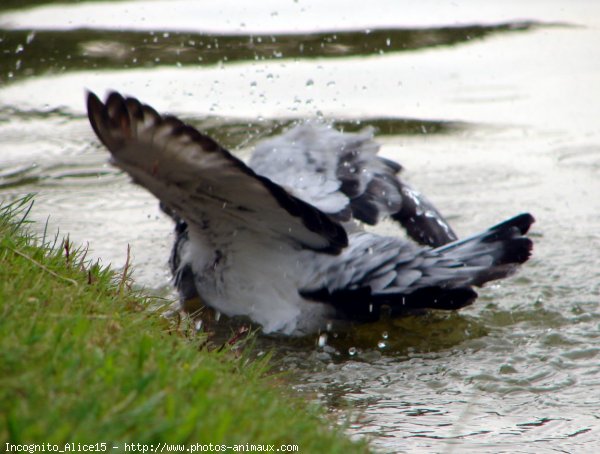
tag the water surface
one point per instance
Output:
(493, 108)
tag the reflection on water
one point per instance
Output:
(67, 166)
(487, 119)
(37, 52)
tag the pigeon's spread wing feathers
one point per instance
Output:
(341, 174)
(378, 271)
(200, 181)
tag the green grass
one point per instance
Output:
(83, 359)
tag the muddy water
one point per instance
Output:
(492, 107)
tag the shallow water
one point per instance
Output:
(493, 108)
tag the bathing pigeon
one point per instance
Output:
(280, 240)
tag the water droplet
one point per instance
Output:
(322, 340)
(381, 344)
(328, 326)
(217, 316)
(253, 83)
(30, 37)
(388, 42)
(198, 326)
(384, 335)
(352, 351)
(19, 49)
(310, 82)
(370, 308)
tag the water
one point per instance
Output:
(492, 107)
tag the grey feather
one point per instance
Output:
(341, 174)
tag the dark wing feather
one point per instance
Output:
(196, 178)
(378, 271)
(341, 174)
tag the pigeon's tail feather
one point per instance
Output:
(361, 305)
(440, 278)
(448, 272)
(494, 253)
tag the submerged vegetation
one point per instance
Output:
(83, 359)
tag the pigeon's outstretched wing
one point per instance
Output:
(203, 183)
(378, 271)
(341, 174)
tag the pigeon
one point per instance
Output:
(282, 240)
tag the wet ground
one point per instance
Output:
(493, 108)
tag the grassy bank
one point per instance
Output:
(82, 359)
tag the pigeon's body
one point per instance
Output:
(278, 242)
